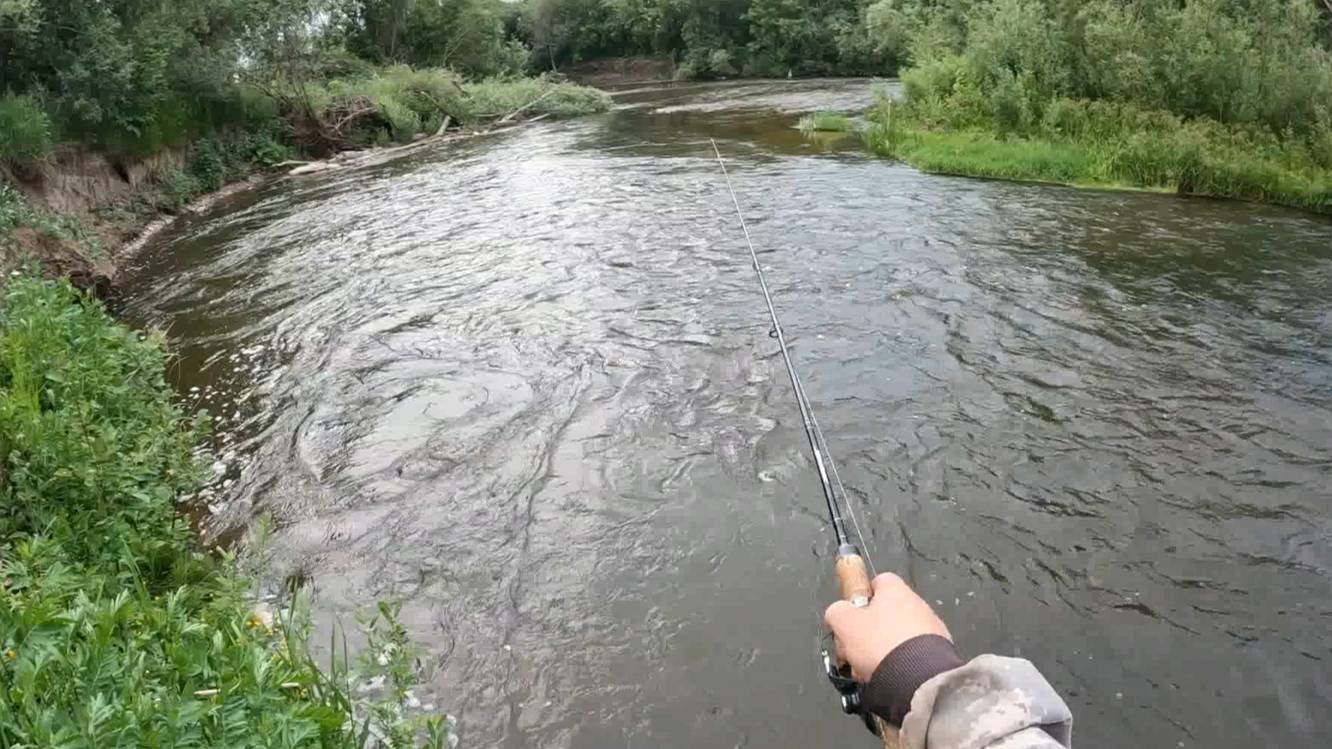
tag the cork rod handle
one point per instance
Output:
(854, 580)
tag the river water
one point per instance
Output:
(524, 384)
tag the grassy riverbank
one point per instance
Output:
(114, 630)
(1114, 145)
(1200, 97)
(276, 125)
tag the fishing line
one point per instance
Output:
(846, 500)
(818, 444)
(852, 566)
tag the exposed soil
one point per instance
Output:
(82, 184)
(58, 258)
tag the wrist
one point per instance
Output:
(897, 677)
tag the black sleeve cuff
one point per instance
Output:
(898, 676)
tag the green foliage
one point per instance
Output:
(130, 75)
(113, 632)
(1111, 143)
(212, 163)
(466, 35)
(409, 100)
(882, 129)
(1256, 62)
(175, 191)
(540, 96)
(25, 130)
(85, 416)
(207, 164)
(401, 101)
(827, 122)
(709, 38)
(1211, 97)
(803, 37)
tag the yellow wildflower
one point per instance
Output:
(261, 618)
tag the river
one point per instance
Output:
(524, 384)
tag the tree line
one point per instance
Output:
(120, 73)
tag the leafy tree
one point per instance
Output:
(807, 37)
(467, 35)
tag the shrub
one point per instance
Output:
(706, 63)
(406, 100)
(176, 189)
(208, 164)
(25, 130)
(719, 62)
(1008, 105)
(262, 149)
(1256, 63)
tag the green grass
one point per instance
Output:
(1112, 148)
(114, 631)
(827, 122)
(982, 154)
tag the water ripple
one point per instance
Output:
(525, 384)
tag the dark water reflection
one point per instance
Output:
(525, 384)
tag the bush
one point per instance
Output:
(1252, 63)
(208, 164)
(1102, 120)
(706, 63)
(883, 132)
(25, 130)
(406, 100)
(176, 189)
(262, 149)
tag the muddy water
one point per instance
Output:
(524, 384)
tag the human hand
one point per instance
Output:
(895, 614)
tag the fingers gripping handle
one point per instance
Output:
(854, 580)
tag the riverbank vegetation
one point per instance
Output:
(133, 77)
(710, 38)
(114, 629)
(1205, 97)
(225, 88)
(827, 122)
(1228, 98)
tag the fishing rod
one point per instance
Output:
(850, 564)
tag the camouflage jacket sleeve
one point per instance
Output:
(989, 703)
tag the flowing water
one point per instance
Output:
(524, 384)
